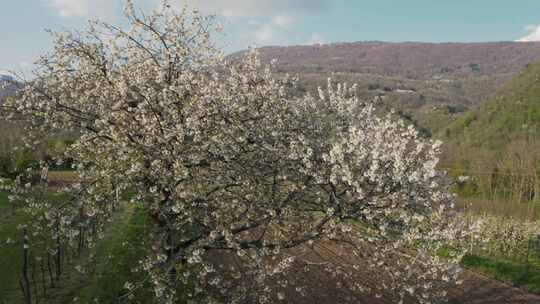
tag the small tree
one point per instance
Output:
(240, 177)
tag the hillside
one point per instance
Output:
(513, 113)
(8, 86)
(499, 142)
(433, 83)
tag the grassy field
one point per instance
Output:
(523, 275)
(116, 256)
(10, 251)
(105, 268)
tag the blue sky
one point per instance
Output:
(285, 22)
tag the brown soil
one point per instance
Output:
(476, 289)
(479, 289)
(321, 288)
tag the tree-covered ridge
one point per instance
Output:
(512, 113)
(431, 83)
(498, 143)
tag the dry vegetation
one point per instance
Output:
(431, 83)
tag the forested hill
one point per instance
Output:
(499, 142)
(513, 113)
(408, 59)
(7, 86)
(431, 83)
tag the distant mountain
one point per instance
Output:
(408, 59)
(431, 83)
(8, 86)
(6, 77)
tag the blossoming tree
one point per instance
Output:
(241, 177)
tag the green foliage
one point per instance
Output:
(455, 109)
(475, 67)
(12, 161)
(513, 113)
(522, 274)
(115, 258)
(498, 144)
(468, 189)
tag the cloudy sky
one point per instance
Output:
(285, 22)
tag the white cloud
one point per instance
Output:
(250, 8)
(258, 22)
(274, 31)
(83, 8)
(533, 33)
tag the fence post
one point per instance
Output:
(25, 282)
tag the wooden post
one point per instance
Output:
(527, 257)
(34, 282)
(43, 279)
(49, 268)
(58, 251)
(25, 282)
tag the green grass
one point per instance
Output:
(117, 255)
(114, 258)
(126, 244)
(10, 254)
(520, 274)
(123, 246)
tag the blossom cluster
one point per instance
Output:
(499, 237)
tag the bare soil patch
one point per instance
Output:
(322, 288)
